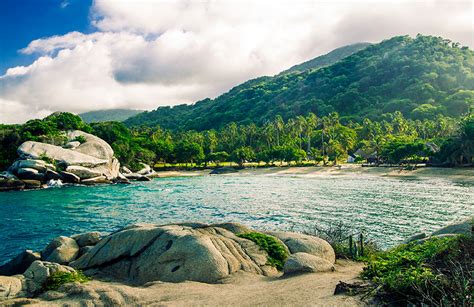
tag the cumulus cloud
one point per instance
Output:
(160, 52)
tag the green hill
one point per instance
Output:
(108, 115)
(421, 77)
(327, 59)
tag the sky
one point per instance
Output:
(83, 55)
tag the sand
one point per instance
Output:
(310, 289)
(352, 170)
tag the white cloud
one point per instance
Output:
(149, 53)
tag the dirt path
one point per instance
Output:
(315, 289)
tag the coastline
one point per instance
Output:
(349, 170)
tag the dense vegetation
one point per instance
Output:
(436, 272)
(310, 138)
(277, 253)
(422, 78)
(118, 115)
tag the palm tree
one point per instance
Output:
(311, 123)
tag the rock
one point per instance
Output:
(94, 146)
(52, 175)
(72, 144)
(173, 253)
(83, 172)
(88, 238)
(122, 179)
(233, 227)
(36, 150)
(301, 243)
(125, 170)
(10, 287)
(38, 273)
(132, 176)
(84, 250)
(145, 170)
(61, 250)
(32, 184)
(303, 262)
(96, 180)
(464, 227)
(29, 173)
(39, 165)
(223, 170)
(143, 178)
(10, 182)
(415, 237)
(70, 177)
(19, 263)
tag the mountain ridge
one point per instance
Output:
(422, 76)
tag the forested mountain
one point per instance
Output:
(327, 59)
(108, 115)
(422, 77)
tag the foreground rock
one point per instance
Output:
(144, 253)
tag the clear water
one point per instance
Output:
(389, 209)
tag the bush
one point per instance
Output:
(436, 272)
(58, 279)
(277, 253)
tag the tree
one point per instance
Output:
(242, 155)
(217, 157)
(186, 151)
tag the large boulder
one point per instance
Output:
(303, 262)
(61, 250)
(29, 173)
(19, 263)
(88, 238)
(91, 159)
(83, 172)
(301, 243)
(93, 146)
(36, 150)
(173, 253)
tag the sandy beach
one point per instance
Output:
(458, 174)
(315, 289)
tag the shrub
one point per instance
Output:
(277, 253)
(80, 138)
(58, 279)
(436, 272)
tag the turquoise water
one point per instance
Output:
(389, 209)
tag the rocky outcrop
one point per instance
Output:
(61, 250)
(89, 162)
(143, 253)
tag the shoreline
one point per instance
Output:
(348, 170)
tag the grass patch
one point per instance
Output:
(58, 279)
(277, 253)
(80, 138)
(437, 272)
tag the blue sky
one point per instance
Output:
(84, 55)
(22, 21)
